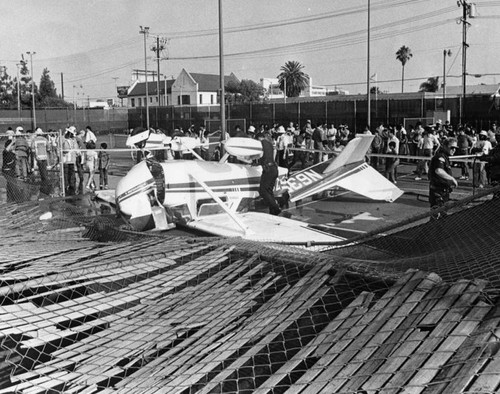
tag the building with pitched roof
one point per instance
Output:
(136, 95)
(194, 89)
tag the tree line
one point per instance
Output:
(17, 93)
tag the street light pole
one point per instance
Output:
(368, 70)
(116, 86)
(32, 88)
(18, 93)
(145, 31)
(221, 78)
(468, 10)
(446, 52)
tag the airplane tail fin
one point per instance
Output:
(354, 152)
(349, 171)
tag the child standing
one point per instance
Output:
(391, 163)
(103, 166)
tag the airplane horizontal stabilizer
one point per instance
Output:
(370, 183)
(349, 171)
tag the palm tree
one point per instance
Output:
(292, 80)
(403, 55)
(431, 85)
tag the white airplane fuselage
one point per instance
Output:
(176, 186)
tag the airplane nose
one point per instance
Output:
(133, 197)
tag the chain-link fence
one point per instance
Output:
(36, 166)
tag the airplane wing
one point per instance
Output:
(349, 171)
(264, 228)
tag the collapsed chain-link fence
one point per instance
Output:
(88, 306)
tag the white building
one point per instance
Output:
(187, 89)
(273, 91)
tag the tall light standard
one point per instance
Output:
(446, 52)
(116, 86)
(221, 78)
(468, 10)
(32, 88)
(18, 92)
(368, 118)
(145, 31)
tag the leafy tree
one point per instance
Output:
(292, 80)
(375, 90)
(25, 85)
(431, 85)
(47, 86)
(243, 92)
(403, 55)
(47, 94)
(6, 97)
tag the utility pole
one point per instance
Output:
(18, 93)
(446, 52)
(158, 65)
(145, 31)
(368, 121)
(161, 45)
(32, 88)
(468, 10)
(116, 86)
(221, 76)
(62, 86)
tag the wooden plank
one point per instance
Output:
(244, 336)
(258, 347)
(371, 356)
(460, 295)
(446, 349)
(404, 342)
(361, 302)
(345, 348)
(469, 360)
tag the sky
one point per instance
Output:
(95, 44)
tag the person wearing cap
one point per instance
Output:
(269, 174)
(283, 142)
(480, 148)
(427, 145)
(39, 147)
(70, 147)
(251, 131)
(22, 150)
(441, 180)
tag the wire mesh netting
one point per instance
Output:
(89, 306)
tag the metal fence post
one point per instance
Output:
(61, 164)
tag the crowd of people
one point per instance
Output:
(29, 155)
(297, 147)
(293, 147)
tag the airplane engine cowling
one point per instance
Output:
(133, 197)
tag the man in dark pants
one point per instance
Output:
(269, 175)
(440, 176)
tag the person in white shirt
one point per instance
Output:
(427, 145)
(480, 148)
(89, 135)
